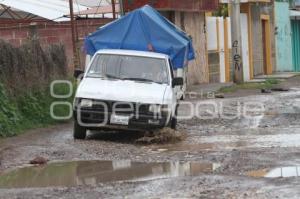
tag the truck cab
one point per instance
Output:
(126, 90)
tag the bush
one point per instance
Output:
(28, 111)
(25, 76)
(30, 67)
(9, 116)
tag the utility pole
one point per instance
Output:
(237, 59)
(74, 35)
(113, 5)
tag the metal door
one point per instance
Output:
(296, 44)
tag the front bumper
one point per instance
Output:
(92, 119)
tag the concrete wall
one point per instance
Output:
(194, 23)
(257, 9)
(49, 33)
(283, 37)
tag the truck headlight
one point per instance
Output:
(155, 108)
(86, 103)
(158, 108)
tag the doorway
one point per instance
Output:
(266, 44)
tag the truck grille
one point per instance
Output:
(127, 108)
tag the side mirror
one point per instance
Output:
(177, 81)
(78, 73)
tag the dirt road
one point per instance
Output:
(222, 157)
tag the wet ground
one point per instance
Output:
(220, 157)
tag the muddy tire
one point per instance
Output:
(79, 132)
(173, 122)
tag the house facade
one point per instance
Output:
(262, 38)
(189, 15)
(287, 33)
(258, 40)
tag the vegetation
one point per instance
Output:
(25, 76)
(268, 84)
(30, 111)
(222, 11)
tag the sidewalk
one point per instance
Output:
(280, 76)
(208, 88)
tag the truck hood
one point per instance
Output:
(123, 91)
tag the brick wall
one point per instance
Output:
(50, 33)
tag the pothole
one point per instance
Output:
(68, 174)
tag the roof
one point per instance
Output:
(54, 10)
(99, 10)
(173, 5)
(92, 3)
(133, 53)
(246, 1)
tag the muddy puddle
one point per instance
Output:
(230, 142)
(281, 172)
(67, 174)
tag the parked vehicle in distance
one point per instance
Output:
(126, 90)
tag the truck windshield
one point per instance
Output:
(124, 67)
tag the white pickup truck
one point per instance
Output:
(126, 90)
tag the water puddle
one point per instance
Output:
(68, 174)
(282, 172)
(253, 141)
(254, 121)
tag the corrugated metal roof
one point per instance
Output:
(99, 10)
(92, 3)
(54, 10)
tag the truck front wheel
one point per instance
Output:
(173, 122)
(79, 132)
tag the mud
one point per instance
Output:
(163, 136)
(257, 157)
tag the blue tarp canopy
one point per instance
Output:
(143, 29)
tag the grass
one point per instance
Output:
(31, 110)
(268, 84)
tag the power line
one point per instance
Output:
(98, 8)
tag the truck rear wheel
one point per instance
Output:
(79, 132)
